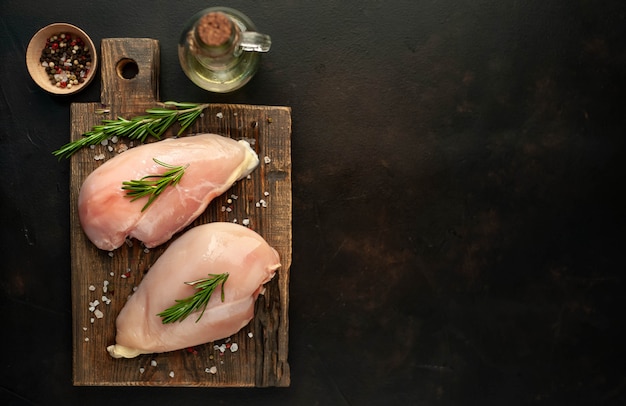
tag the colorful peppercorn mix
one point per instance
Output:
(66, 59)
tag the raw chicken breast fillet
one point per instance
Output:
(108, 216)
(212, 248)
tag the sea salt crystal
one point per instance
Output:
(141, 370)
(221, 348)
(245, 222)
(267, 160)
(92, 288)
(153, 363)
(171, 374)
(234, 347)
(98, 314)
(212, 370)
(219, 115)
(250, 334)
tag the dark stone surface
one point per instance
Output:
(458, 176)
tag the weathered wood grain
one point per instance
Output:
(264, 199)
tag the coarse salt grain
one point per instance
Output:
(141, 370)
(267, 159)
(153, 363)
(250, 334)
(86, 338)
(171, 374)
(221, 348)
(98, 314)
(245, 222)
(84, 328)
(212, 370)
(111, 254)
(220, 115)
(92, 288)
(234, 347)
(91, 320)
(99, 157)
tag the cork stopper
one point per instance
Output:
(214, 29)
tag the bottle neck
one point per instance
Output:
(215, 36)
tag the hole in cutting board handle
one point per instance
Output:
(127, 68)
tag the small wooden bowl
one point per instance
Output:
(37, 45)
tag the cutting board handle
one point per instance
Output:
(130, 73)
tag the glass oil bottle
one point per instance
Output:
(220, 50)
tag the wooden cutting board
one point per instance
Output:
(257, 355)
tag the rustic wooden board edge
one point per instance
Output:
(280, 171)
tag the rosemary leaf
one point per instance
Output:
(196, 302)
(153, 185)
(155, 122)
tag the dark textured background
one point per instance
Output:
(458, 176)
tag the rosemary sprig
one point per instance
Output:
(153, 185)
(155, 122)
(197, 301)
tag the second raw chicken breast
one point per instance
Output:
(209, 250)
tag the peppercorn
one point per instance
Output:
(66, 59)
